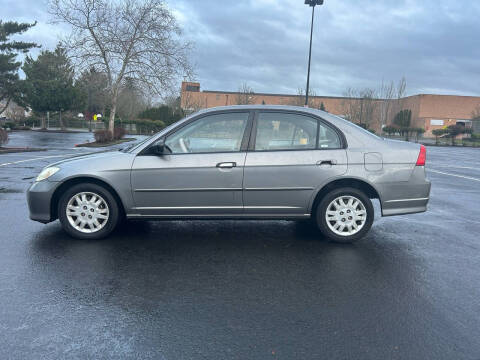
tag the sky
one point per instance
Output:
(264, 43)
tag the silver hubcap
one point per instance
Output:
(87, 212)
(346, 215)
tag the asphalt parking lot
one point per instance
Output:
(238, 290)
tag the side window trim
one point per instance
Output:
(245, 137)
(253, 136)
(248, 132)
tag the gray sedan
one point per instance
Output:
(239, 162)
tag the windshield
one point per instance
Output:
(136, 145)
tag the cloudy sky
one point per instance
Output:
(433, 43)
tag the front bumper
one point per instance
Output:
(39, 198)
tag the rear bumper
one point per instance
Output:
(404, 206)
(39, 197)
(407, 197)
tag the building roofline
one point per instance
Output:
(282, 95)
(331, 97)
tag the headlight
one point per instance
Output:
(46, 173)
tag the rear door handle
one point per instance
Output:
(327, 162)
(226, 165)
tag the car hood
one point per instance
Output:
(85, 157)
(97, 164)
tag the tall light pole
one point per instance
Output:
(312, 4)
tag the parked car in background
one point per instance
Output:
(239, 162)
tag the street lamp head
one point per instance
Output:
(313, 2)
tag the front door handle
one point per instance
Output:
(226, 165)
(327, 162)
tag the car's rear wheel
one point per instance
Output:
(344, 215)
(88, 211)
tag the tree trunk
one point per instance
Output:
(62, 125)
(43, 125)
(111, 121)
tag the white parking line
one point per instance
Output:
(460, 176)
(37, 158)
(458, 167)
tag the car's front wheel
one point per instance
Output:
(344, 215)
(88, 211)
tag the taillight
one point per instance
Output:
(422, 156)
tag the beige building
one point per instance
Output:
(428, 111)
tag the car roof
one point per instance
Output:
(336, 120)
(264, 107)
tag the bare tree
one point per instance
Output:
(368, 106)
(387, 94)
(15, 112)
(191, 102)
(138, 39)
(476, 113)
(361, 106)
(299, 99)
(398, 103)
(131, 100)
(245, 95)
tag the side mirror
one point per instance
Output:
(158, 148)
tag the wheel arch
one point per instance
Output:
(355, 183)
(82, 180)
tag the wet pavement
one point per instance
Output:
(235, 290)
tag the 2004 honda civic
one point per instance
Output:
(239, 162)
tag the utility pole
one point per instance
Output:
(312, 4)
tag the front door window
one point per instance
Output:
(210, 134)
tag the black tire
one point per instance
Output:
(113, 209)
(326, 201)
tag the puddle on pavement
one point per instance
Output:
(10, 191)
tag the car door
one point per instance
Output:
(290, 155)
(202, 175)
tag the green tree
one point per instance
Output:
(163, 113)
(93, 86)
(322, 106)
(454, 130)
(437, 133)
(403, 119)
(49, 83)
(10, 83)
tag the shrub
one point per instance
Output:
(103, 136)
(118, 133)
(10, 125)
(390, 130)
(3, 136)
(418, 131)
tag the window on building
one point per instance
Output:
(435, 122)
(193, 88)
